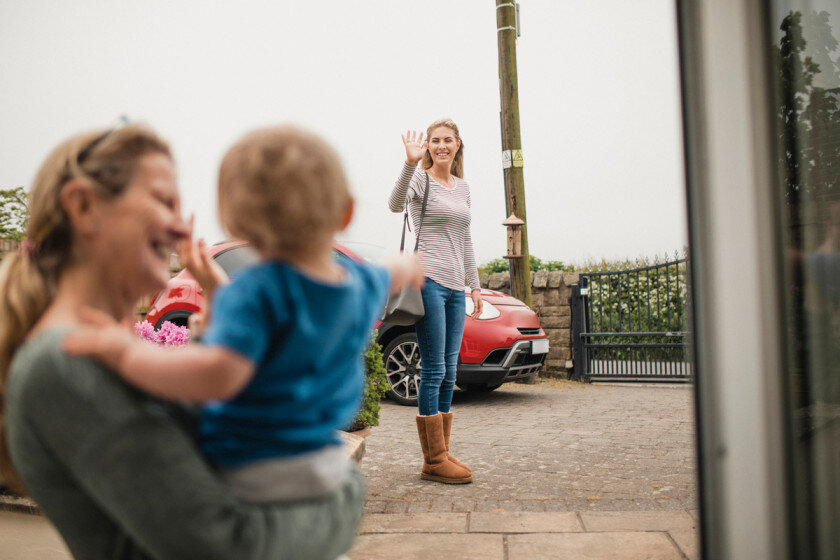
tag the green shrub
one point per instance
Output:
(496, 265)
(613, 265)
(555, 265)
(503, 265)
(14, 209)
(376, 386)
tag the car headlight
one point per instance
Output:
(488, 310)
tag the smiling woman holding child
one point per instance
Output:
(281, 357)
(115, 473)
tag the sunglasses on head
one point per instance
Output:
(122, 122)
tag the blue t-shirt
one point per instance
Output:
(306, 338)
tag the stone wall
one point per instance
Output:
(550, 292)
(7, 246)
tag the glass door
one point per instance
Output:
(806, 72)
(761, 94)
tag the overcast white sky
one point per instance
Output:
(598, 85)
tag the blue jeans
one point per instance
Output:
(439, 335)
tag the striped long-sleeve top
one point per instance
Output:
(446, 249)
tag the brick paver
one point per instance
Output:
(553, 446)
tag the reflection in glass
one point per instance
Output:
(807, 71)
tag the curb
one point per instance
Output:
(17, 504)
(354, 446)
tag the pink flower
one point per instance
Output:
(169, 334)
(145, 330)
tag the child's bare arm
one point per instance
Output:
(195, 373)
(405, 270)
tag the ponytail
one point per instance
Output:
(24, 296)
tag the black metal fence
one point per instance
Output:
(631, 324)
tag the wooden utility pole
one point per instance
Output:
(506, 30)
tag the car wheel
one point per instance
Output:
(479, 387)
(180, 318)
(402, 369)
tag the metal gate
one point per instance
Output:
(630, 325)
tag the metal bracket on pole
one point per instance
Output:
(515, 6)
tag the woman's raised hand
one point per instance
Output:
(415, 147)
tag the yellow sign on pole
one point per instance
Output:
(512, 158)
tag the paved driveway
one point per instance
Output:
(551, 447)
(562, 470)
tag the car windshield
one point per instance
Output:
(233, 260)
(368, 251)
(341, 257)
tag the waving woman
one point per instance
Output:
(446, 251)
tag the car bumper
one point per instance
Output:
(503, 365)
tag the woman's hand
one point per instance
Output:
(414, 146)
(478, 304)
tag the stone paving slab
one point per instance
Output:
(640, 521)
(688, 542)
(524, 522)
(428, 547)
(421, 536)
(414, 523)
(580, 546)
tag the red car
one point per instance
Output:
(505, 344)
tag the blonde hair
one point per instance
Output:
(458, 160)
(28, 278)
(283, 190)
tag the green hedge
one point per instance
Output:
(376, 386)
(536, 263)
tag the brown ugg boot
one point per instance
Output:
(436, 466)
(447, 429)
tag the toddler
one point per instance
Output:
(279, 367)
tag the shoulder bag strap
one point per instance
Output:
(422, 214)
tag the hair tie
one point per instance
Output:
(29, 249)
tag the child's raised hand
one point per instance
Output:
(100, 337)
(195, 258)
(197, 323)
(406, 270)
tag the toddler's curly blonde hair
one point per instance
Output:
(283, 190)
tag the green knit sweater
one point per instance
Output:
(120, 479)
